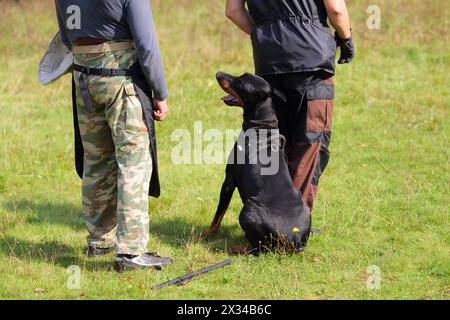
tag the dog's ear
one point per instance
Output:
(280, 95)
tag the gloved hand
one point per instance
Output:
(347, 49)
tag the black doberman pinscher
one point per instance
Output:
(274, 215)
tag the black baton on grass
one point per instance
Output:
(193, 274)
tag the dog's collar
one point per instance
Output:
(251, 124)
(263, 141)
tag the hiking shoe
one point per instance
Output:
(97, 252)
(147, 260)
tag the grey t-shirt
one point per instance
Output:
(116, 20)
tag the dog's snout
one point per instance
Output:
(219, 75)
(224, 78)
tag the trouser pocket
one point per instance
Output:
(135, 120)
(319, 113)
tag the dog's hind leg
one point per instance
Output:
(226, 194)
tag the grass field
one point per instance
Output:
(383, 200)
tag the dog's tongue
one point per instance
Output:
(228, 98)
(231, 100)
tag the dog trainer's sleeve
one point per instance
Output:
(140, 21)
(62, 25)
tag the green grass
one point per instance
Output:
(383, 200)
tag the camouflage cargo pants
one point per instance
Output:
(117, 160)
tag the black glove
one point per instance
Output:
(347, 49)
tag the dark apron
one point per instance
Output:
(291, 36)
(145, 96)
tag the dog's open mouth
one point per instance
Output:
(231, 100)
(225, 82)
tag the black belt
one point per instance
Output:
(102, 72)
(302, 19)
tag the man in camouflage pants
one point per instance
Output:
(113, 121)
(117, 162)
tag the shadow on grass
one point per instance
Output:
(52, 252)
(47, 212)
(48, 251)
(178, 232)
(175, 232)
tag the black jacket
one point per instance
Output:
(291, 36)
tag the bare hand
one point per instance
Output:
(161, 109)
